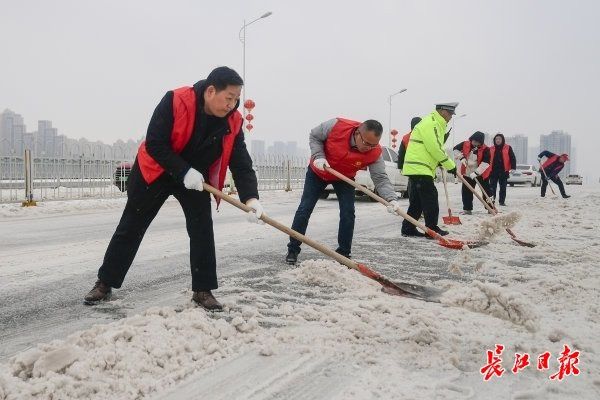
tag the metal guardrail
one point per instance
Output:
(81, 178)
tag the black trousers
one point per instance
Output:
(496, 180)
(423, 198)
(467, 195)
(555, 179)
(143, 203)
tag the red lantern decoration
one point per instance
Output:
(249, 127)
(394, 140)
(394, 146)
(394, 132)
(249, 117)
(249, 104)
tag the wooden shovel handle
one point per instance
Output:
(384, 202)
(296, 235)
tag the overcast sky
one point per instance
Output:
(97, 69)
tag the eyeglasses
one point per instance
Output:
(370, 145)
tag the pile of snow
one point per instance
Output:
(490, 227)
(491, 299)
(126, 359)
(60, 207)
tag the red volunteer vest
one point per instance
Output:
(505, 160)
(406, 139)
(550, 161)
(184, 115)
(466, 150)
(341, 156)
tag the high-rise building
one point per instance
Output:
(291, 149)
(12, 129)
(279, 147)
(257, 147)
(532, 153)
(519, 144)
(557, 142)
(46, 138)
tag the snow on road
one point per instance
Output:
(314, 331)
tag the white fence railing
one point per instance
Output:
(80, 178)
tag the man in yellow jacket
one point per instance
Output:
(424, 154)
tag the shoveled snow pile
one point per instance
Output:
(492, 226)
(126, 359)
(491, 299)
(334, 312)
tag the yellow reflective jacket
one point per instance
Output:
(426, 147)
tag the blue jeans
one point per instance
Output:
(313, 187)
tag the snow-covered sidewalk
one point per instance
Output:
(322, 331)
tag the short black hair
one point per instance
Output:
(414, 122)
(221, 77)
(373, 126)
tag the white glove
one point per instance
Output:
(463, 161)
(539, 160)
(257, 212)
(473, 175)
(193, 180)
(320, 163)
(393, 207)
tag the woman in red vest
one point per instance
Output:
(474, 159)
(552, 166)
(503, 160)
(195, 133)
(347, 146)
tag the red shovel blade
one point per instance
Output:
(455, 243)
(451, 220)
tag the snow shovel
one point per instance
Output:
(490, 209)
(449, 243)
(547, 180)
(394, 288)
(450, 219)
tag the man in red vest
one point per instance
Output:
(474, 158)
(347, 146)
(194, 134)
(552, 166)
(502, 161)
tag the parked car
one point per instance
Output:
(574, 180)
(121, 175)
(363, 177)
(524, 174)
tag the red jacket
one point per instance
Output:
(341, 156)
(184, 115)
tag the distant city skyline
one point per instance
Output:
(46, 142)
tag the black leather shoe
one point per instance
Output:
(291, 258)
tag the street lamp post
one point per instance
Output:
(390, 120)
(242, 37)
